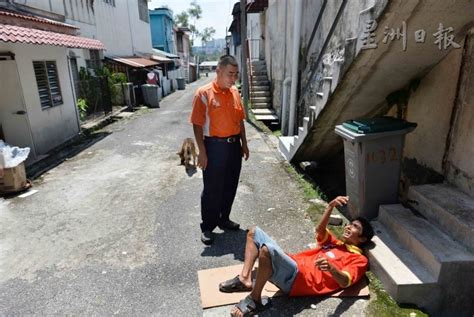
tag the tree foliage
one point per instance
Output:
(195, 10)
(207, 35)
(182, 19)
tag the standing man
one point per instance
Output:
(218, 125)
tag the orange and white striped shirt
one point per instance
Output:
(218, 111)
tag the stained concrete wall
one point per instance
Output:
(443, 107)
(278, 49)
(459, 165)
(278, 34)
(431, 106)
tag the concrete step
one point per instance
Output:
(259, 67)
(263, 111)
(260, 83)
(259, 78)
(402, 275)
(260, 105)
(284, 146)
(448, 207)
(433, 248)
(266, 117)
(261, 99)
(261, 93)
(258, 62)
(259, 73)
(260, 88)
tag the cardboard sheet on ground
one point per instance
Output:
(211, 296)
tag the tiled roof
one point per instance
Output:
(18, 34)
(36, 19)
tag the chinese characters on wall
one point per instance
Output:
(443, 37)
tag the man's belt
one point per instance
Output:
(229, 139)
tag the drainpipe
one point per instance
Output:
(284, 108)
(295, 60)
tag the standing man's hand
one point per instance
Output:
(199, 136)
(245, 151)
(202, 160)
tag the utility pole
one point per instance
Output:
(243, 44)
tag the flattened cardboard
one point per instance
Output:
(211, 296)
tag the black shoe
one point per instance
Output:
(229, 224)
(207, 237)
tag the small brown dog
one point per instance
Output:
(188, 151)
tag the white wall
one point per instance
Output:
(118, 27)
(52, 126)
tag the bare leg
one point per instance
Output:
(264, 272)
(251, 254)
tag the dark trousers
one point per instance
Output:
(221, 178)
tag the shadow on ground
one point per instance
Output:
(229, 242)
(64, 152)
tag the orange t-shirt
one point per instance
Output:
(312, 281)
(218, 111)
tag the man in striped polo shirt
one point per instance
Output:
(218, 125)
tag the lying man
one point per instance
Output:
(333, 265)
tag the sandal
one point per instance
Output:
(248, 307)
(233, 285)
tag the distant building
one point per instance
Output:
(162, 33)
(211, 47)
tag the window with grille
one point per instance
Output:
(47, 80)
(110, 2)
(143, 10)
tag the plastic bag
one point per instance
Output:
(12, 156)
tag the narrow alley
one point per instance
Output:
(115, 229)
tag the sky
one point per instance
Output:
(215, 13)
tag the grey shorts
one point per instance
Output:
(284, 268)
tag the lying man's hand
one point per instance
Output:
(322, 264)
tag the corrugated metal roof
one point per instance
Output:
(209, 63)
(18, 34)
(163, 53)
(138, 62)
(162, 59)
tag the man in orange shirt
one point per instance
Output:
(218, 125)
(333, 265)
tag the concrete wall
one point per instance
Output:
(52, 126)
(278, 49)
(459, 165)
(442, 105)
(431, 106)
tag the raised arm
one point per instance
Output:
(321, 227)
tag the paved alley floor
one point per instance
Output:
(115, 229)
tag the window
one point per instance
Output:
(47, 80)
(143, 10)
(94, 59)
(110, 2)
